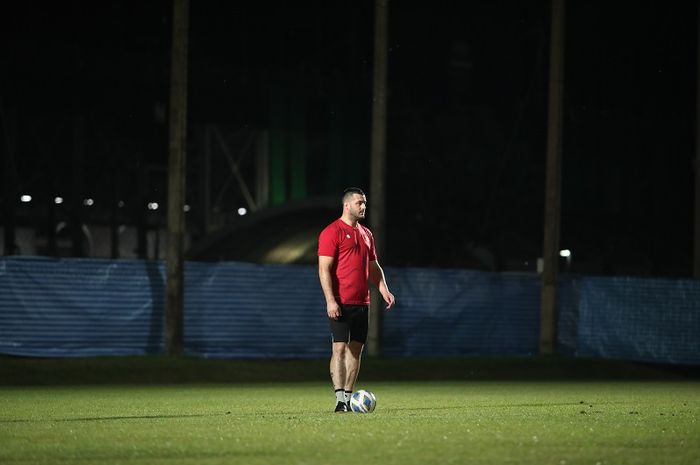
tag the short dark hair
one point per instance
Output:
(347, 193)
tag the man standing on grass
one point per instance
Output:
(347, 259)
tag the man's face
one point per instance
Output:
(357, 206)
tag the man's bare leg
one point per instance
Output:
(352, 364)
(338, 368)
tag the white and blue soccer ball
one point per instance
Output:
(363, 401)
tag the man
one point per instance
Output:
(347, 259)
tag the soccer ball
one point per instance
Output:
(363, 401)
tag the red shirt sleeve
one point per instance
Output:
(372, 249)
(328, 242)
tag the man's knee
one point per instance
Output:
(355, 348)
(340, 349)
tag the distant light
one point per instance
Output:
(26, 198)
(153, 205)
(186, 208)
(58, 200)
(565, 253)
(120, 204)
(88, 202)
(242, 211)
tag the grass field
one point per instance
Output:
(62, 412)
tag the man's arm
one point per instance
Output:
(325, 268)
(376, 275)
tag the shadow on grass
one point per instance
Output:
(161, 370)
(118, 418)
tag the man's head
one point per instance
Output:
(354, 203)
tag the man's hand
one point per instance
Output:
(376, 275)
(388, 297)
(333, 310)
(325, 267)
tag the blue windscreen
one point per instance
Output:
(91, 307)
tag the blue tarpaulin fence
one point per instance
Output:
(654, 320)
(80, 307)
(459, 312)
(90, 307)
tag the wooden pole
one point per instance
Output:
(8, 124)
(176, 181)
(78, 184)
(553, 181)
(696, 231)
(376, 194)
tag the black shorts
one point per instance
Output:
(352, 324)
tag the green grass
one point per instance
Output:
(161, 416)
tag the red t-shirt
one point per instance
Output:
(352, 249)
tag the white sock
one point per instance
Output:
(348, 395)
(340, 395)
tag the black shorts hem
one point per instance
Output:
(352, 325)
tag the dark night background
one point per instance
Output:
(85, 93)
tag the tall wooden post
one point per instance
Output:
(78, 184)
(8, 124)
(176, 181)
(696, 231)
(553, 180)
(378, 161)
